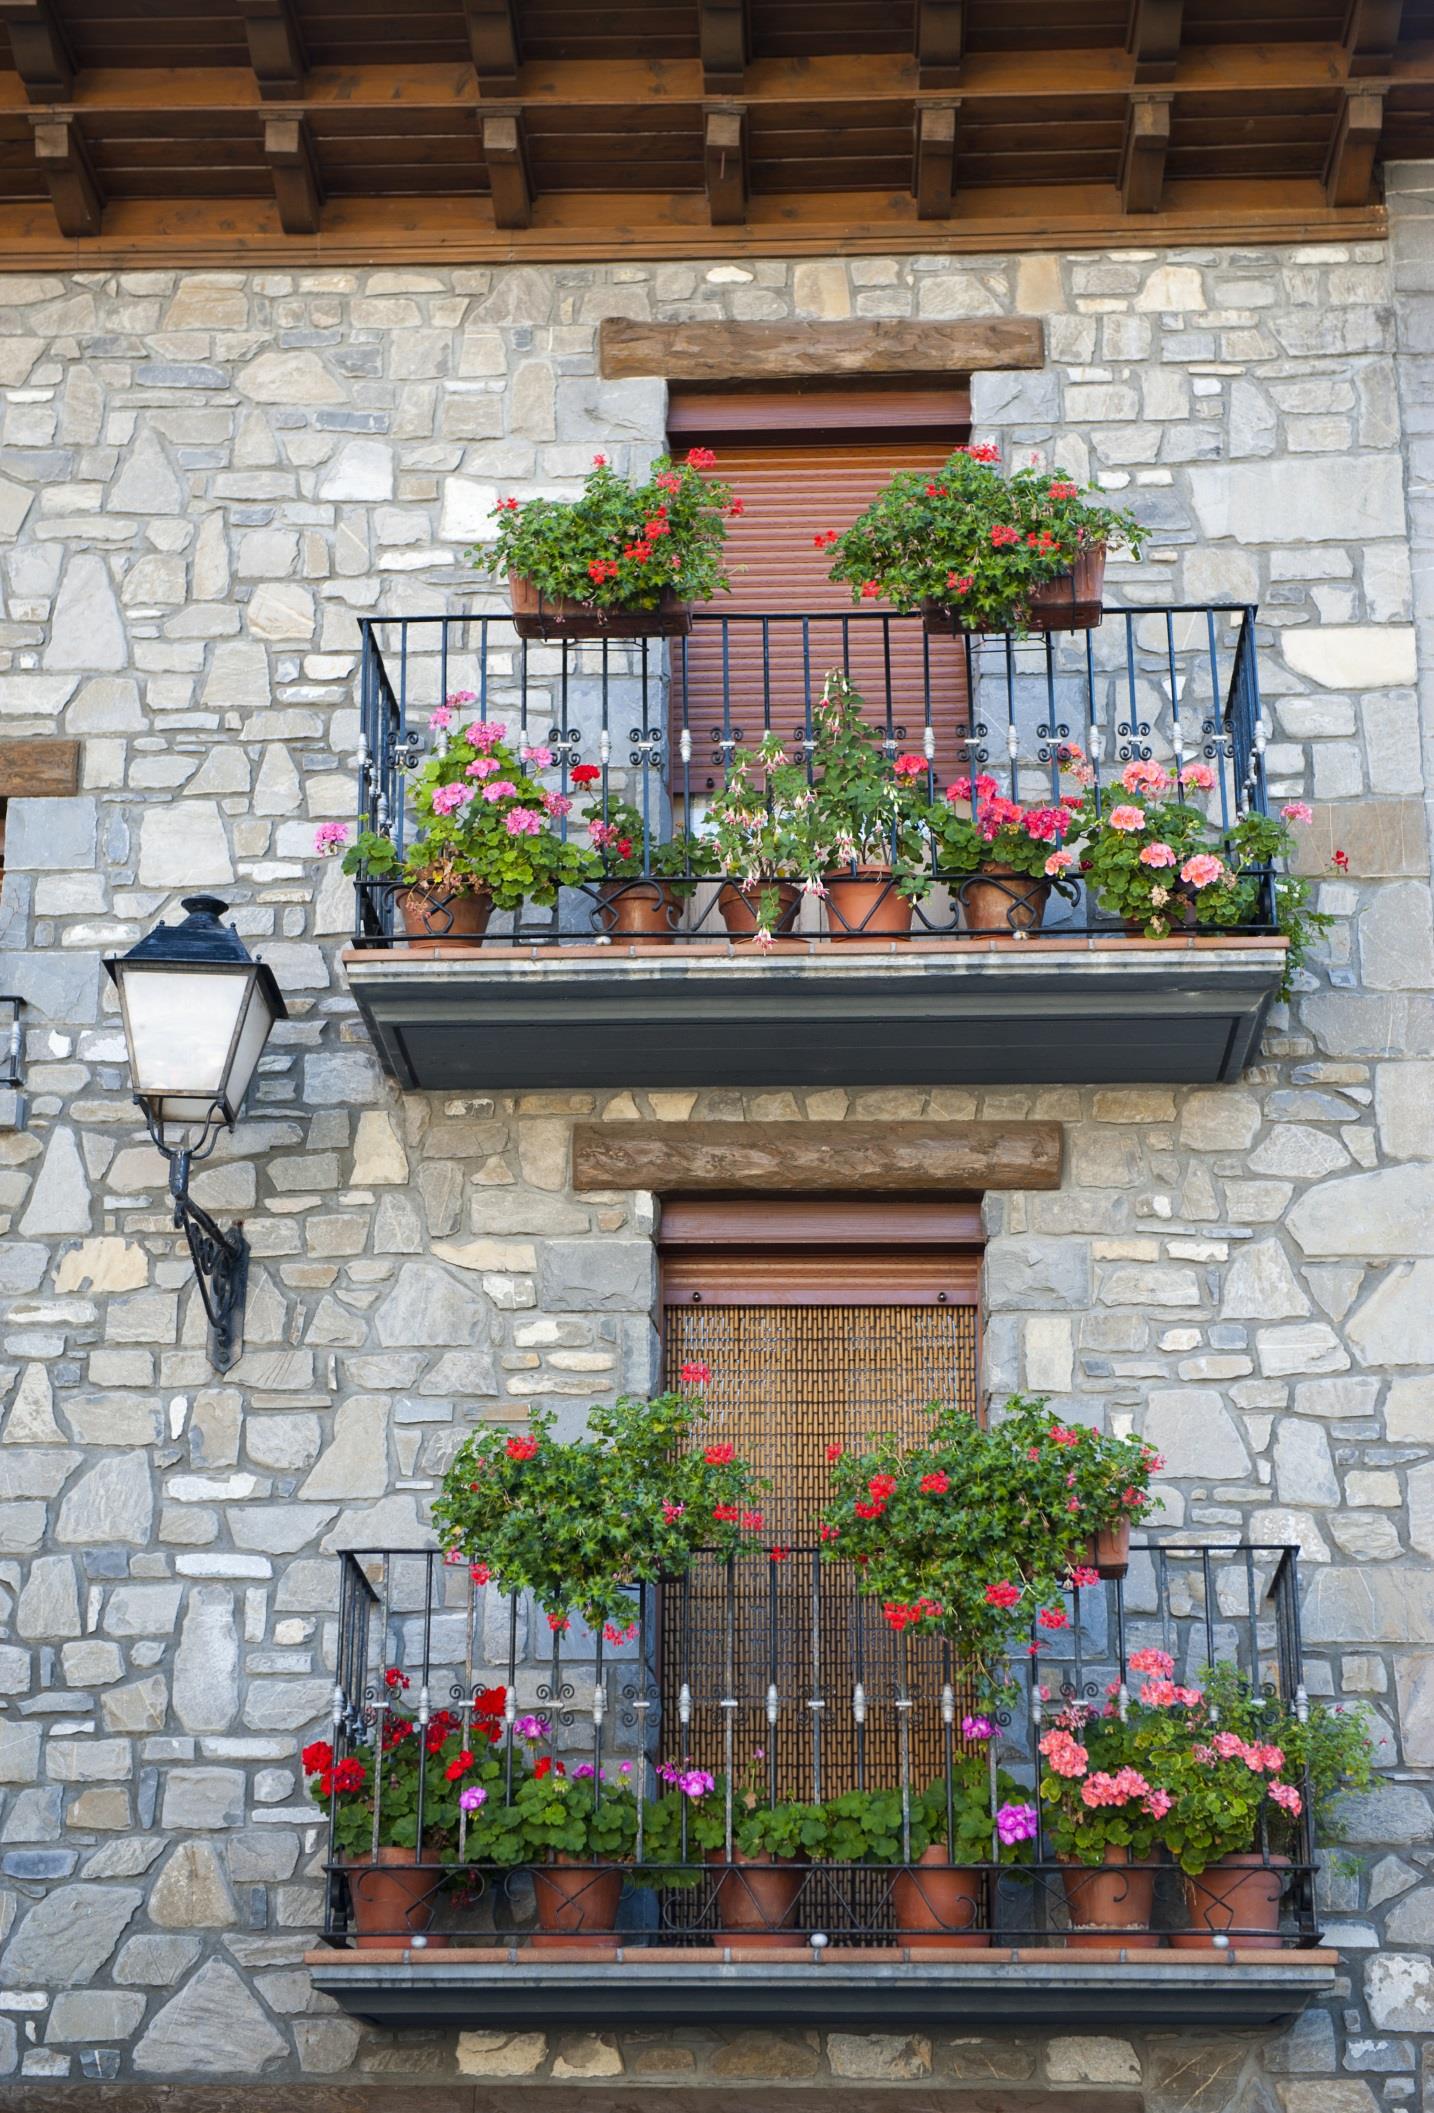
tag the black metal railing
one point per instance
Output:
(661, 721)
(777, 1677)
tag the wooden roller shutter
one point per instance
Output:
(803, 463)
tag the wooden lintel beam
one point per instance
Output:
(725, 352)
(724, 44)
(495, 43)
(1142, 157)
(724, 162)
(940, 42)
(289, 151)
(276, 49)
(1371, 32)
(506, 155)
(933, 180)
(65, 166)
(1349, 166)
(956, 1157)
(1152, 38)
(39, 50)
(40, 768)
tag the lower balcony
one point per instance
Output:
(779, 1685)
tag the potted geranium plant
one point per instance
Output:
(1105, 1794)
(982, 551)
(623, 561)
(646, 878)
(1017, 853)
(580, 1522)
(760, 1864)
(576, 1832)
(865, 819)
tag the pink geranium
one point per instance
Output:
(485, 733)
(1058, 862)
(449, 798)
(1144, 777)
(1199, 776)
(1066, 1755)
(500, 789)
(1157, 855)
(1127, 819)
(523, 821)
(1203, 870)
(538, 757)
(1152, 1661)
(329, 837)
(1298, 811)
(482, 767)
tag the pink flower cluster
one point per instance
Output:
(1260, 1760)
(1123, 1788)
(1066, 1755)
(1164, 1694)
(1203, 871)
(523, 821)
(485, 733)
(330, 837)
(449, 798)
(1152, 1661)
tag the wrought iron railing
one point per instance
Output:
(771, 1673)
(661, 720)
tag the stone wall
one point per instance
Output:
(206, 479)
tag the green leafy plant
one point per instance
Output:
(579, 1522)
(967, 537)
(865, 1826)
(629, 851)
(1329, 1752)
(996, 831)
(621, 545)
(384, 1775)
(552, 1813)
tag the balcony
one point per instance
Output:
(777, 1675)
(558, 999)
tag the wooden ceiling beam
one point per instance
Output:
(496, 45)
(65, 165)
(1142, 157)
(276, 49)
(724, 163)
(39, 50)
(1371, 32)
(289, 151)
(1349, 166)
(505, 152)
(1152, 38)
(724, 40)
(940, 42)
(933, 180)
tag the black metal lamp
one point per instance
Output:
(198, 1009)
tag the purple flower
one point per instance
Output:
(474, 1796)
(1016, 1823)
(977, 1728)
(533, 1729)
(696, 1783)
(329, 837)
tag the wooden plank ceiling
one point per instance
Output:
(347, 130)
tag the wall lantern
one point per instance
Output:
(197, 1012)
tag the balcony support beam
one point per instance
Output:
(1349, 167)
(934, 176)
(276, 49)
(39, 50)
(506, 155)
(65, 165)
(1142, 161)
(289, 152)
(1371, 32)
(725, 166)
(940, 42)
(725, 44)
(495, 43)
(1153, 38)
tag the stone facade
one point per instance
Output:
(207, 478)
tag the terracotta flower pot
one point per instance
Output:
(577, 1903)
(1238, 1897)
(1003, 904)
(1073, 602)
(756, 1902)
(866, 905)
(939, 1906)
(740, 906)
(444, 921)
(1107, 1900)
(538, 615)
(392, 1899)
(639, 912)
(1109, 1550)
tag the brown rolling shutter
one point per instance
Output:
(796, 480)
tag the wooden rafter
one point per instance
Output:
(1153, 38)
(65, 165)
(725, 45)
(1371, 32)
(940, 42)
(494, 40)
(505, 152)
(1142, 157)
(724, 163)
(276, 49)
(1349, 169)
(934, 175)
(39, 49)
(289, 151)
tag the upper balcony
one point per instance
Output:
(637, 981)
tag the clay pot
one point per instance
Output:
(940, 1906)
(538, 615)
(740, 906)
(445, 921)
(392, 1899)
(866, 905)
(1073, 602)
(1107, 1900)
(639, 912)
(1003, 904)
(756, 1902)
(1109, 1550)
(577, 1903)
(1238, 1897)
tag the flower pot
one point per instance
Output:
(1238, 1897)
(939, 1906)
(1107, 1900)
(740, 906)
(576, 1903)
(392, 1899)
(538, 615)
(1073, 602)
(757, 1900)
(1109, 1550)
(444, 921)
(1003, 904)
(639, 912)
(866, 905)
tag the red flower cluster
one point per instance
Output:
(936, 491)
(1045, 542)
(545, 1765)
(1052, 1618)
(459, 1766)
(779, 1555)
(935, 1484)
(507, 506)
(603, 569)
(825, 540)
(1065, 491)
(986, 452)
(752, 1522)
(961, 586)
(834, 1453)
(725, 1514)
(720, 1455)
(639, 552)
(695, 1375)
(586, 773)
(870, 589)
(701, 459)
(518, 1449)
(668, 481)
(1003, 537)
(736, 510)
(900, 1616)
(319, 1755)
(393, 1678)
(1002, 1595)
